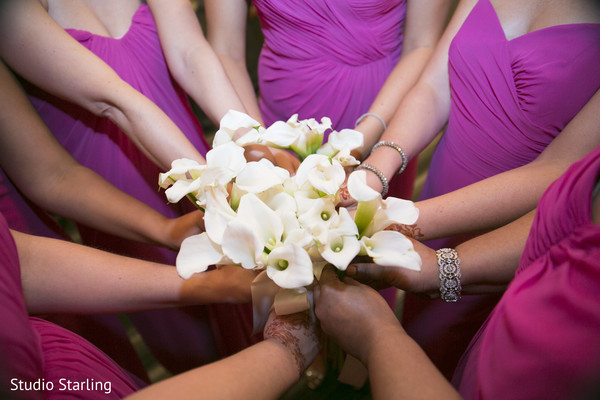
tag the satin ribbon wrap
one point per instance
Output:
(266, 295)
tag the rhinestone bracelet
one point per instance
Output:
(395, 147)
(449, 264)
(380, 175)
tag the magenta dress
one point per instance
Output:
(510, 99)
(34, 350)
(541, 341)
(180, 338)
(329, 59)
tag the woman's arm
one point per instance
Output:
(38, 49)
(191, 59)
(361, 322)
(424, 110)
(497, 200)
(487, 263)
(43, 170)
(262, 371)
(424, 25)
(226, 32)
(64, 277)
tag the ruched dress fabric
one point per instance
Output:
(510, 99)
(180, 338)
(329, 59)
(37, 351)
(541, 341)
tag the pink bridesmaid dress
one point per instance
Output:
(510, 99)
(180, 338)
(37, 352)
(541, 341)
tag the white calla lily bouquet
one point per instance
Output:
(257, 216)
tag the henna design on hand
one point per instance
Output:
(412, 231)
(282, 330)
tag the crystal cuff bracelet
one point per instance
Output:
(449, 264)
(380, 175)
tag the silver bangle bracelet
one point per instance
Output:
(449, 264)
(395, 147)
(377, 117)
(380, 175)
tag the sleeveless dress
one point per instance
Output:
(330, 59)
(510, 99)
(34, 350)
(99, 145)
(543, 334)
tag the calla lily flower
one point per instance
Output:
(242, 245)
(392, 249)
(358, 188)
(228, 156)
(261, 219)
(346, 139)
(230, 123)
(180, 169)
(393, 211)
(290, 266)
(218, 213)
(344, 158)
(322, 175)
(197, 253)
(340, 250)
(258, 176)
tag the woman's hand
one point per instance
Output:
(351, 313)
(424, 282)
(226, 284)
(179, 228)
(298, 333)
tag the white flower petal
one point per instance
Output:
(282, 134)
(218, 213)
(391, 248)
(340, 250)
(196, 254)
(358, 188)
(290, 267)
(259, 176)
(261, 219)
(231, 122)
(346, 139)
(242, 245)
(229, 156)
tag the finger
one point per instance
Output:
(328, 276)
(367, 272)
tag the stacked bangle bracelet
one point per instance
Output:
(377, 117)
(380, 175)
(449, 264)
(395, 147)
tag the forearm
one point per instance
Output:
(39, 50)
(420, 117)
(64, 277)
(82, 195)
(237, 73)
(264, 370)
(489, 203)
(399, 82)
(398, 368)
(191, 59)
